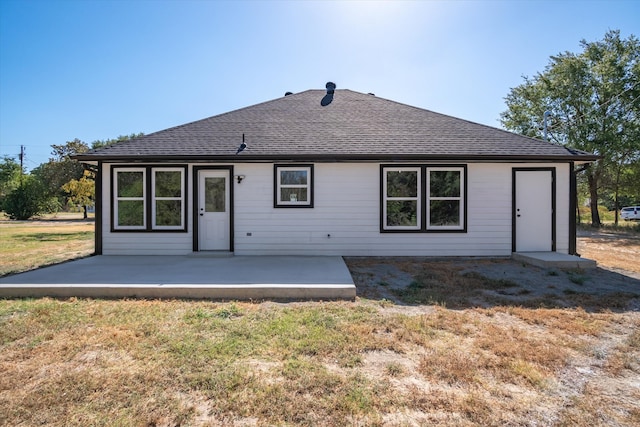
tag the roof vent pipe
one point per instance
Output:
(331, 87)
(326, 100)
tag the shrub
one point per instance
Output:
(28, 200)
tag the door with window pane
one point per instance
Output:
(213, 210)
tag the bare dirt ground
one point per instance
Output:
(600, 386)
(618, 273)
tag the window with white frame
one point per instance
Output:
(167, 187)
(445, 202)
(129, 203)
(293, 186)
(423, 198)
(401, 205)
(148, 198)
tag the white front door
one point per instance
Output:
(213, 210)
(533, 210)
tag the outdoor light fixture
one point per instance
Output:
(239, 178)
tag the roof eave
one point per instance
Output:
(584, 158)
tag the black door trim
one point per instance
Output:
(195, 179)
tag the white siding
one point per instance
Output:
(345, 219)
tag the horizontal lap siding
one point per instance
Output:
(343, 198)
(345, 219)
(147, 244)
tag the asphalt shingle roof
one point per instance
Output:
(354, 126)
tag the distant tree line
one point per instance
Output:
(59, 184)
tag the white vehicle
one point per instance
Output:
(631, 213)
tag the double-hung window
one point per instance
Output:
(445, 202)
(129, 203)
(423, 198)
(401, 206)
(293, 186)
(148, 198)
(167, 211)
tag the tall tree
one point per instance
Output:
(592, 100)
(60, 168)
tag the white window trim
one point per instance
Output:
(460, 198)
(386, 198)
(117, 199)
(280, 186)
(154, 198)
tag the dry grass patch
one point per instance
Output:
(25, 245)
(90, 362)
(596, 407)
(574, 322)
(612, 249)
(626, 358)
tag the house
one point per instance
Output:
(335, 172)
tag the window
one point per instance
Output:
(401, 208)
(293, 186)
(444, 198)
(148, 198)
(421, 198)
(168, 199)
(129, 202)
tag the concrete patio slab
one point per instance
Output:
(235, 277)
(554, 260)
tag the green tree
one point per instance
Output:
(29, 199)
(81, 192)
(60, 168)
(102, 143)
(593, 104)
(9, 177)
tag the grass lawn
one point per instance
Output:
(166, 363)
(372, 362)
(25, 245)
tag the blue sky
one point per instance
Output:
(95, 69)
